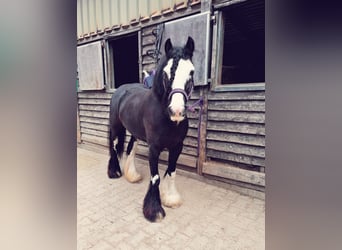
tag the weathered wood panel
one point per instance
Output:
(94, 107)
(95, 139)
(231, 172)
(94, 120)
(90, 66)
(94, 132)
(190, 141)
(249, 161)
(95, 101)
(255, 140)
(246, 117)
(193, 132)
(78, 127)
(99, 95)
(95, 126)
(255, 106)
(235, 131)
(96, 114)
(237, 148)
(236, 96)
(242, 128)
(189, 151)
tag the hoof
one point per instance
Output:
(113, 174)
(154, 213)
(133, 177)
(169, 194)
(172, 201)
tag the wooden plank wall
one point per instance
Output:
(94, 117)
(236, 129)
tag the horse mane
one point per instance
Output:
(158, 86)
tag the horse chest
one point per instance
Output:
(172, 135)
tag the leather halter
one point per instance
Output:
(182, 91)
(177, 90)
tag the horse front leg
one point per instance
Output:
(153, 211)
(169, 194)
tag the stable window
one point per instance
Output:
(241, 41)
(123, 60)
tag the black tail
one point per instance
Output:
(121, 141)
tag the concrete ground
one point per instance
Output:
(109, 213)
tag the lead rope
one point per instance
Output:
(191, 108)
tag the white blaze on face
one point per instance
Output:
(182, 75)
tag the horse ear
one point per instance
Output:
(190, 45)
(168, 46)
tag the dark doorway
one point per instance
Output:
(244, 43)
(126, 59)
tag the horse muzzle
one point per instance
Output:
(177, 114)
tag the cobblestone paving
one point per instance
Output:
(109, 213)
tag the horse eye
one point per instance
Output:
(191, 72)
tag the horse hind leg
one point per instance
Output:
(130, 170)
(114, 170)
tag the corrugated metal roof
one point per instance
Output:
(98, 16)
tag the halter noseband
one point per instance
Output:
(182, 91)
(178, 90)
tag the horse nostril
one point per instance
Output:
(180, 112)
(171, 113)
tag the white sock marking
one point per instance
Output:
(154, 179)
(130, 170)
(169, 193)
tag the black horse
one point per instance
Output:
(158, 117)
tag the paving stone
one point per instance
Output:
(110, 213)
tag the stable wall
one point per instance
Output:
(230, 146)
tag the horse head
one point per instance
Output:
(174, 78)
